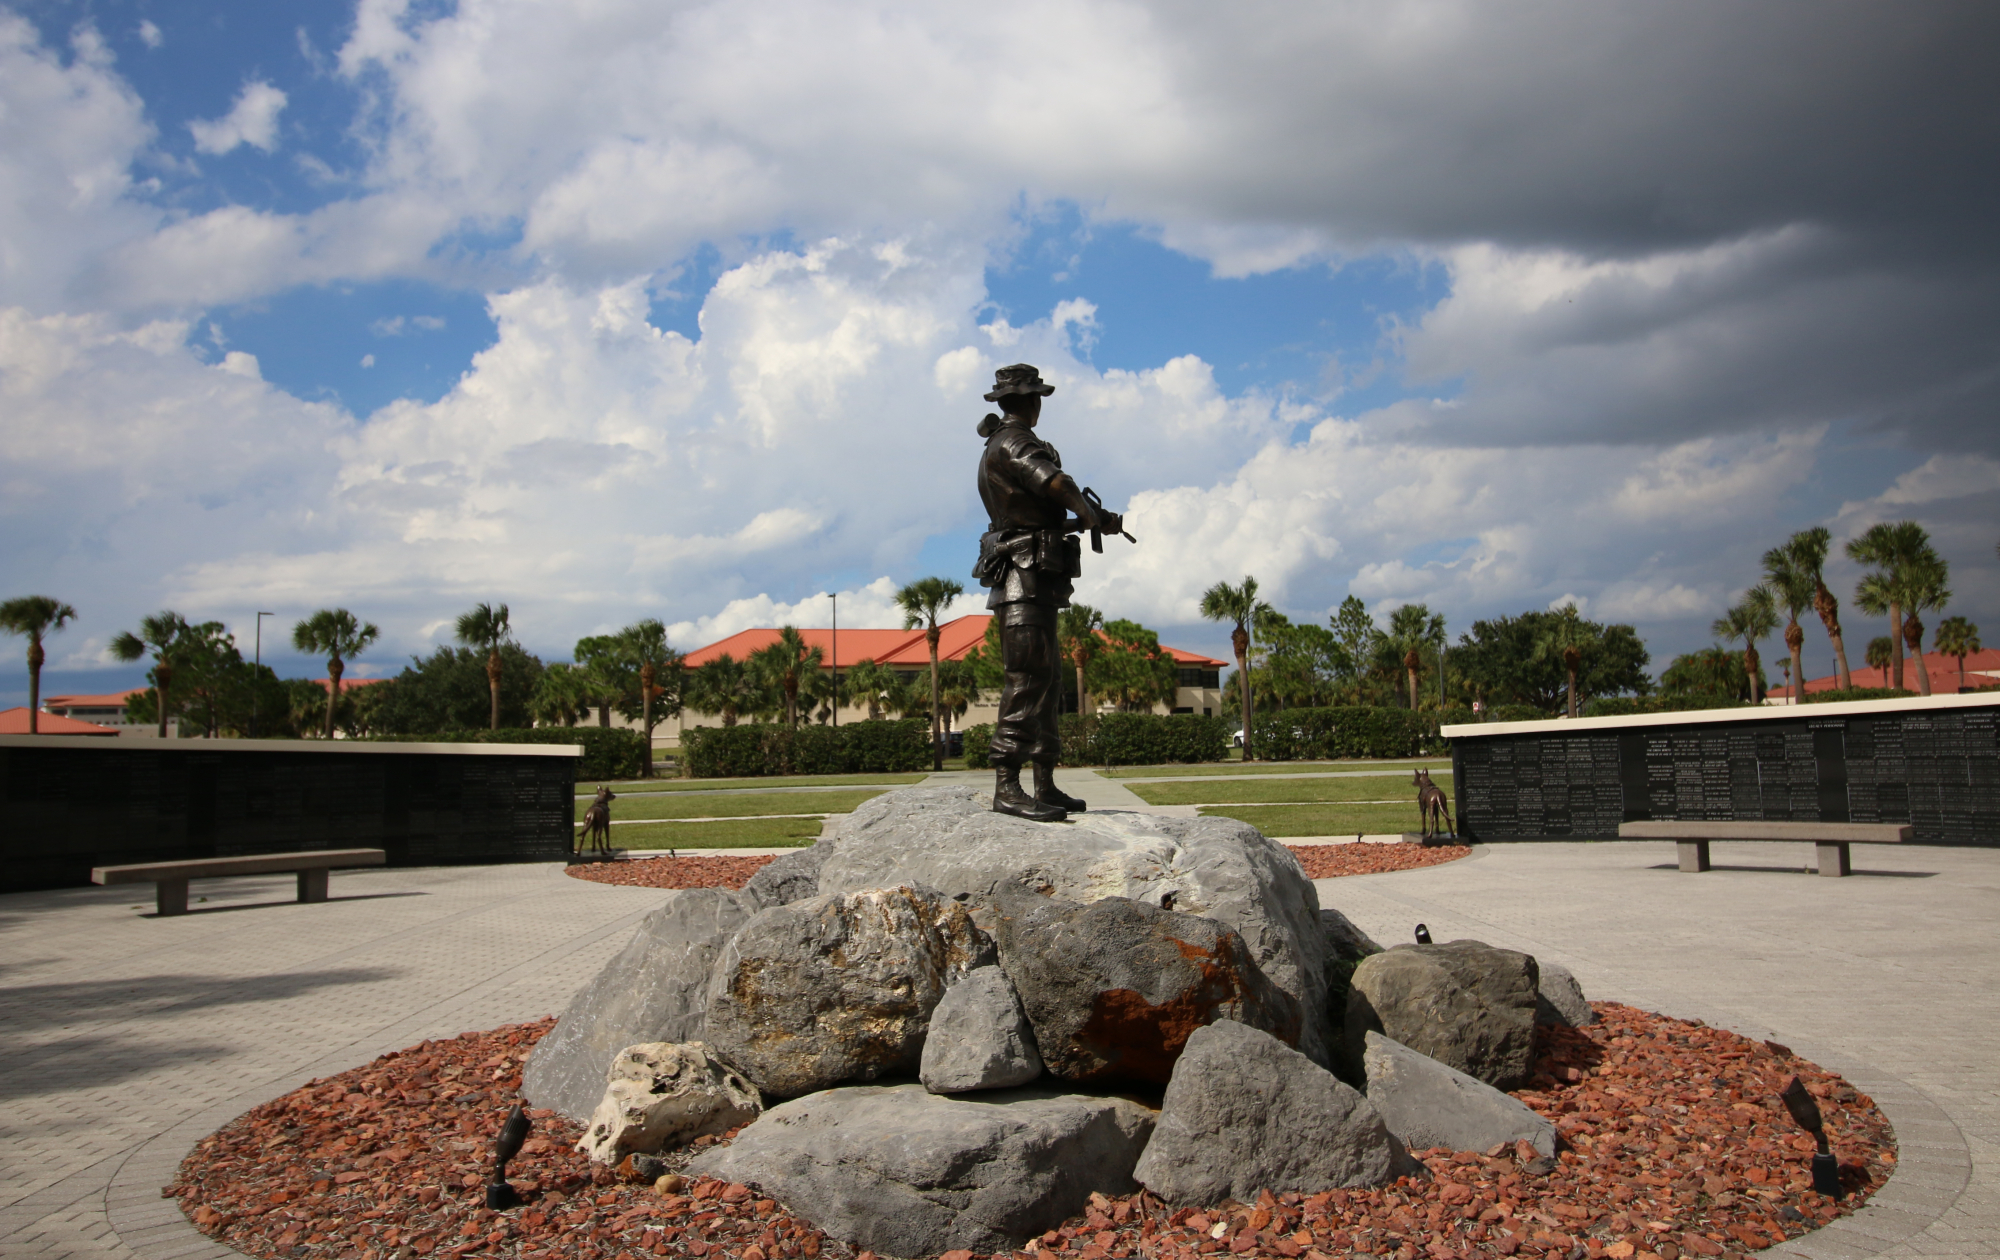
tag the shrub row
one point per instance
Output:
(1858, 693)
(609, 752)
(1630, 706)
(1347, 731)
(760, 748)
(1121, 739)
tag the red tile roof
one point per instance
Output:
(899, 648)
(115, 699)
(15, 722)
(1979, 669)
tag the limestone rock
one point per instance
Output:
(1560, 998)
(1466, 1004)
(662, 1094)
(904, 1172)
(950, 839)
(790, 877)
(1115, 987)
(1246, 1113)
(838, 987)
(979, 1037)
(654, 990)
(1428, 1104)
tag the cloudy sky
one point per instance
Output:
(684, 310)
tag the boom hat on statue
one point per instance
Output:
(1019, 378)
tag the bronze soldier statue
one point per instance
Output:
(1029, 557)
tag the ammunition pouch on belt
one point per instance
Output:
(1048, 552)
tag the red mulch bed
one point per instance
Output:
(673, 872)
(1674, 1145)
(1331, 861)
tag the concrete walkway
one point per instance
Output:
(126, 1038)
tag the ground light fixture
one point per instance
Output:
(513, 1131)
(1423, 935)
(1825, 1168)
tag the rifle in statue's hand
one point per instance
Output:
(1096, 534)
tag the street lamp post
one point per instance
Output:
(254, 677)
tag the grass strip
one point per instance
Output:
(1234, 768)
(1321, 820)
(1281, 791)
(744, 805)
(736, 833)
(643, 786)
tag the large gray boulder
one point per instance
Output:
(838, 987)
(1115, 987)
(1346, 946)
(904, 1172)
(654, 990)
(1427, 1104)
(662, 1095)
(789, 877)
(979, 1037)
(1466, 1004)
(1561, 1002)
(1246, 1113)
(950, 839)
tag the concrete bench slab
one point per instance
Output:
(170, 879)
(1830, 839)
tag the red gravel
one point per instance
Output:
(1674, 1145)
(1331, 861)
(673, 872)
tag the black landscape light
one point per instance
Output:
(1423, 935)
(513, 1131)
(1825, 1168)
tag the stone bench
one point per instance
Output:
(1830, 838)
(171, 878)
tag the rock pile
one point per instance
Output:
(1024, 973)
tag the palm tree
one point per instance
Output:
(1808, 548)
(724, 686)
(1925, 589)
(34, 616)
(876, 685)
(921, 602)
(1891, 549)
(1223, 602)
(958, 689)
(1795, 589)
(1753, 619)
(1880, 651)
(336, 632)
(1957, 637)
(563, 694)
(646, 642)
(785, 665)
(1076, 633)
(486, 627)
(161, 634)
(1414, 627)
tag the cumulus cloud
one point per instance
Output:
(252, 120)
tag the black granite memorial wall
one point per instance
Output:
(1937, 769)
(67, 805)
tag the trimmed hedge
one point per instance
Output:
(1121, 739)
(1859, 693)
(760, 748)
(609, 752)
(1347, 731)
(1630, 706)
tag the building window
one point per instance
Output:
(1188, 709)
(1208, 712)
(1198, 677)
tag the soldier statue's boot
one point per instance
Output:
(1008, 798)
(1048, 793)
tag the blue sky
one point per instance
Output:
(641, 311)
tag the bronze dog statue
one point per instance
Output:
(596, 831)
(1432, 806)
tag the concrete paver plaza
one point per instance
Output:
(126, 1038)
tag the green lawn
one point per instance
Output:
(730, 805)
(640, 787)
(1322, 820)
(1283, 791)
(739, 833)
(1234, 768)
